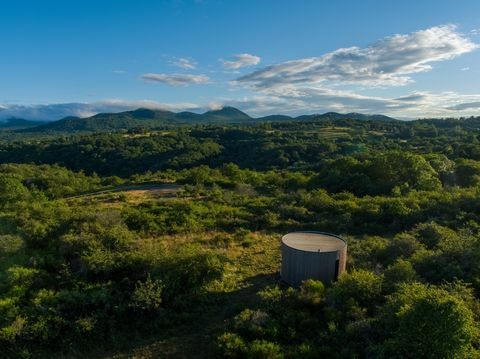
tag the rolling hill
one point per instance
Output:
(146, 118)
(334, 116)
(19, 123)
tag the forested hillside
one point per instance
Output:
(166, 242)
(142, 119)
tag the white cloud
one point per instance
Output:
(314, 85)
(388, 62)
(241, 60)
(184, 63)
(288, 100)
(176, 79)
(475, 32)
(294, 101)
(307, 100)
(119, 105)
(465, 69)
(51, 112)
(215, 105)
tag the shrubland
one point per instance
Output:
(92, 263)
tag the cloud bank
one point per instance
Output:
(410, 106)
(52, 112)
(289, 101)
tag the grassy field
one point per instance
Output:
(253, 265)
(129, 194)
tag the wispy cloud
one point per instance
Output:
(240, 60)
(184, 63)
(176, 79)
(465, 69)
(388, 62)
(466, 106)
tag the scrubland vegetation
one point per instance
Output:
(95, 261)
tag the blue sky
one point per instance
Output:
(407, 59)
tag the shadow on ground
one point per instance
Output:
(212, 313)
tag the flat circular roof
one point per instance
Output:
(313, 241)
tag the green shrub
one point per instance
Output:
(147, 295)
(312, 292)
(231, 345)
(262, 349)
(399, 272)
(430, 322)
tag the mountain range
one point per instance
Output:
(19, 123)
(146, 118)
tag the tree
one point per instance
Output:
(11, 190)
(356, 292)
(399, 272)
(427, 322)
(467, 172)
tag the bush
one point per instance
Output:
(9, 244)
(399, 272)
(403, 245)
(187, 271)
(354, 291)
(231, 345)
(312, 292)
(431, 234)
(429, 321)
(262, 349)
(252, 323)
(147, 295)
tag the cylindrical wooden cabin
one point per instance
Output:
(312, 255)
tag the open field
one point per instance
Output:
(132, 194)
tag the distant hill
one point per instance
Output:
(108, 122)
(226, 114)
(275, 118)
(332, 116)
(146, 118)
(19, 123)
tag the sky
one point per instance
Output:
(407, 59)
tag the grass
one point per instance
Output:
(128, 195)
(253, 262)
(251, 267)
(335, 132)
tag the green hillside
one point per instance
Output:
(152, 119)
(18, 123)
